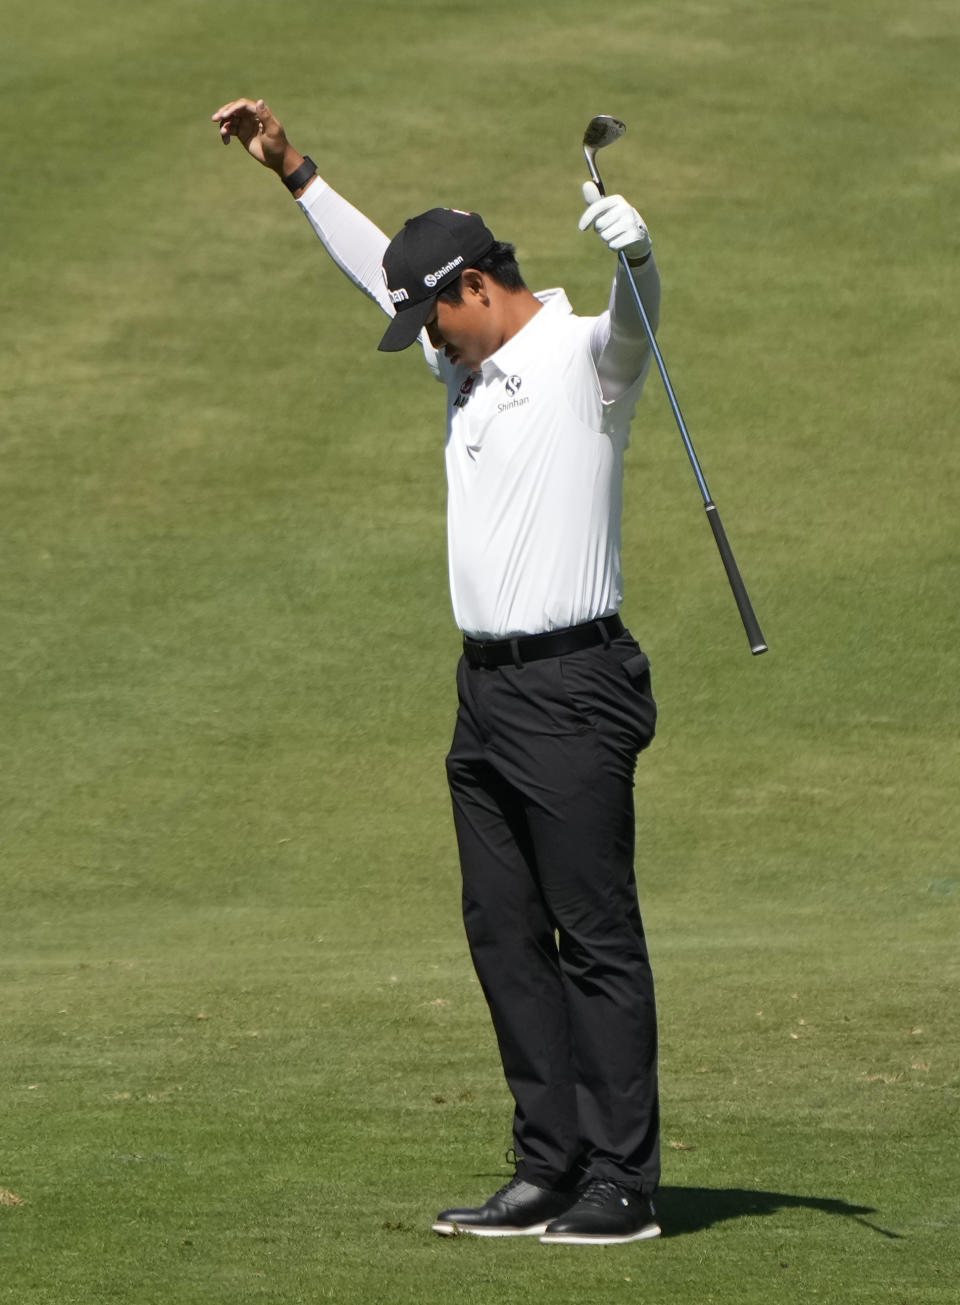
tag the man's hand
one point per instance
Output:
(260, 133)
(616, 222)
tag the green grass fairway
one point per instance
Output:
(243, 1057)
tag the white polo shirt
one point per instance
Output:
(535, 481)
(534, 453)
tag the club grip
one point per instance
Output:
(747, 615)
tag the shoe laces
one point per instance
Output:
(515, 1181)
(511, 1158)
(599, 1191)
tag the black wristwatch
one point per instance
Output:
(300, 176)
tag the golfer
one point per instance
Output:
(554, 693)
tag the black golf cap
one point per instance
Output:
(428, 255)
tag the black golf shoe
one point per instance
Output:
(519, 1209)
(605, 1214)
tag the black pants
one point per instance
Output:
(541, 773)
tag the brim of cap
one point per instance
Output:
(406, 326)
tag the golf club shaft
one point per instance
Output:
(747, 615)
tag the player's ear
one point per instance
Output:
(474, 283)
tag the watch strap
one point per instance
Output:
(301, 175)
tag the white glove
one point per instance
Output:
(615, 221)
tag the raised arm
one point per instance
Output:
(261, 133)
(621, 350)
(354, 243)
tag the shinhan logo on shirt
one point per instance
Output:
(512, 385)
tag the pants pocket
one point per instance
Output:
(637, 671)
(634, 668)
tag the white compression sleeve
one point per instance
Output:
(618, 341)
(354, 243)
(357, 246)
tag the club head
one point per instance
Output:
(601, 130)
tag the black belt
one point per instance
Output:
(533, 647)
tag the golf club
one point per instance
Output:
(601, 131)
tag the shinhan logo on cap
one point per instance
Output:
(396, 296)
(432, 278)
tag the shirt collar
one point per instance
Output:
(510, 356)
